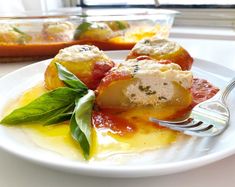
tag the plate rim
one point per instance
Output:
(120, 170)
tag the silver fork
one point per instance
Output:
(209, 118)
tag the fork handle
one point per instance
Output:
(225, 91)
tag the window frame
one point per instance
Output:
(211, 15)
(158, 5)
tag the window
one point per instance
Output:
(117, 3)
(198, 3)
(162, 3)
(220, 13)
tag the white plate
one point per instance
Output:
(181, 156)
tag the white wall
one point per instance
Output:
(42, 5)
(9, 7)
(13, 7)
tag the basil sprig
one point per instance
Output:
(24, 37)
(83, 27)
(121, 25)
(80, 123)
(74, 103)
(70, 79)
(43, 108)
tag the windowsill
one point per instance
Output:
(203, 33)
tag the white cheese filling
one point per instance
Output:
(150, 91)
(154, 83)
(80, 53)
(155, 46)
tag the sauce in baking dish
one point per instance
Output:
(51, 49)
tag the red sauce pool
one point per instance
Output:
(202, 90)
(112, 123)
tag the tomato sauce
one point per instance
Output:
(51, 49)
(98, 72)
(202, 90)
(33, 50)
(112, 77)
(180, 57)
(109, 45)
(112, 123)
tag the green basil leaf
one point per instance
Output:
(24, 36)
(69, 78)
(18, 31)
(83, 27)
(120, 25)
(80, 124)
(44, 107)
(59, 118)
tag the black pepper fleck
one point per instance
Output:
(162, 98)
(146, 41)
(147, 90)
(136, 68)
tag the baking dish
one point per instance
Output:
(109, 29)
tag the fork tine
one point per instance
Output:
(197, 127)
(192, 125)
(181, 122)
(188, 126)
(189, 122)
(209, 132)
(208, 118)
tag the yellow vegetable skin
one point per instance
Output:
(88, 63)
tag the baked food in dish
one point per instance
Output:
(93, 31)
(58, 31)
(88, 63)
(140, 83)
(12, 35)
(118, 25)
(162, 49)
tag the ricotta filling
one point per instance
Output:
(150, 90)
(153, 83)
(155, 46)
(79, 53)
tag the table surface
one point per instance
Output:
(21, 173)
